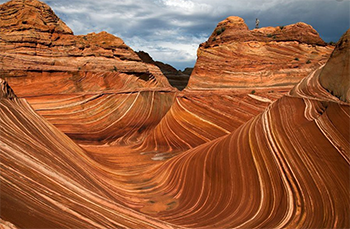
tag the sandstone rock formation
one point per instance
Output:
(197, 117)
(95, 148)
(235, 56)
(286, 167)
(225, 90)
(90, 86)
(37, 48)
(176, 78)
(47, 181)
(6, 91)
(339, 69)
(105, 118)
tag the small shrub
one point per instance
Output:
(252, 92)
(308, 61)
(220, 30)
(331, 43)
(115, 69)
(269, 35)
(281, 27)
(296, 58)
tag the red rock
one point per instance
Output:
(287, 167)
(235, 56)
(197, 117)
(36, 45)
(240, 157)
(62, 75)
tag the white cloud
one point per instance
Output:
(183, 4)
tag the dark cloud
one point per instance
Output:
(171, 30)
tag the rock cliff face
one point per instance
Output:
(40, 53)
(235, 56)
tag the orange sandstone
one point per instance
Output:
(235, 56)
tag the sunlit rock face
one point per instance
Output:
(235, 56)
(105, 118)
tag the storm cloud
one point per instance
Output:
(171, 30)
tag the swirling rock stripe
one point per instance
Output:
(277, 170)
(47, 181)
(287, 167)
(111, 118)
(197, 117)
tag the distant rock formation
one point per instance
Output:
(177, 78)
(235, 56)
(40, 55)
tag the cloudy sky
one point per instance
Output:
(171, 30)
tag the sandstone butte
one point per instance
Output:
(235, 56)
(288, 167)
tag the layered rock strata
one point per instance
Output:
(37, 48)
(93, 87)
(235, 56)
(227, 90)
(199, 117)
